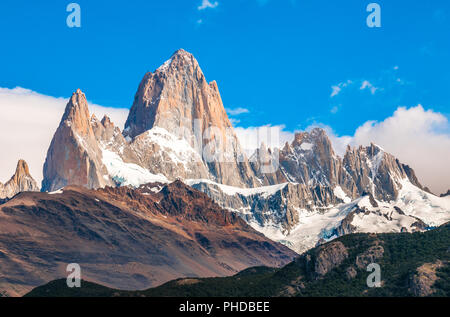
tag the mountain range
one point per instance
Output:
(299, 194)
(124, 191)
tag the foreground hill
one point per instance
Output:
(412, 264)
(125, 238)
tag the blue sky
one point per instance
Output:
(290, 63)
(278, 59)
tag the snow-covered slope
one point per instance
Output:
(264, 191)
(414, 210)
(287, 213)
(128, 174)
(415, 202)
(154, 156)
(298, 215)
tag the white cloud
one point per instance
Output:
(272, 136)
(237, 111)
(207, 4)
(28, 121)
(336, 89)
(234, 121)
(334, 109)
(417, 137)
(340, 143)
(367, 85)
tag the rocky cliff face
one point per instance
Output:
(21, 181)
(280, 206)
(328, 257)
(74, 156)
(372, 170)
(177, 98)
(425, 277)
(93, 154)
(177, 128)
(311, 160)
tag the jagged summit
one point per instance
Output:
(77, 110)
(181, 51)
(76, 114)
(178, 57)
(317, 136)
(107, 121)
(21, 181)
(22, 169)
(177, 96)
(178, 99)
(74, 157)
(310, 159)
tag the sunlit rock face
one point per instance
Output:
(74, 156)
(21, 181)
(177, 98)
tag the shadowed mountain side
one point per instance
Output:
(125, 238)
(412, 264)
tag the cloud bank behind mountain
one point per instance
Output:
(28, 121)
(416, 136)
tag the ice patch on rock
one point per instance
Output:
(306, 146)
(128, 174)
(265, 191)
(341, 195)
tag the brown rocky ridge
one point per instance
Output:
(125, 238)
